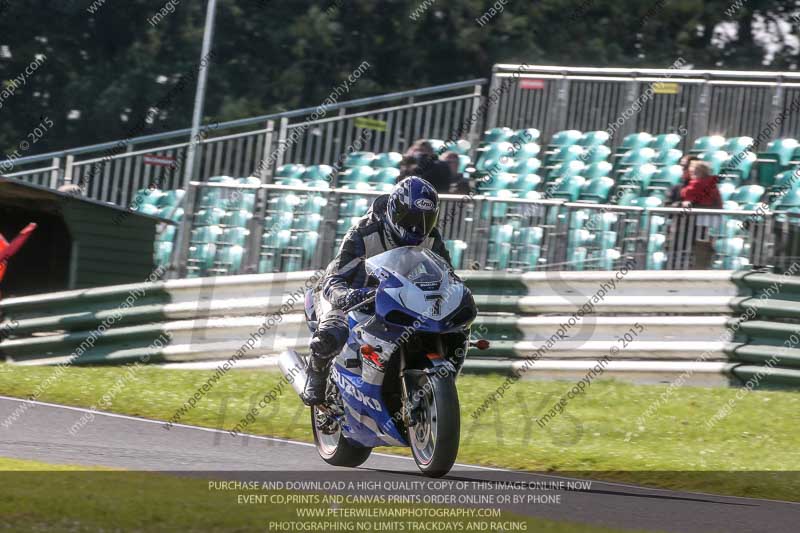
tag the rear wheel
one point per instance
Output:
(436, 434)
(331, 444)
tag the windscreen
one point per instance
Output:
(418, 265)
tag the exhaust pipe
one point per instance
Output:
(293, 369)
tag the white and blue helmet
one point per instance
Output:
(412, 211)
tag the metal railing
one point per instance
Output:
(293, 228)
(692, 103)
(114, 171)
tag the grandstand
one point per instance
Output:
(542, 198)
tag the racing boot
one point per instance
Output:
(314, 390)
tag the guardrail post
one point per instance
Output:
(180, 252)
(282, 141)
(266, 166)
(68, 169)
(562, 101)
(699, 120)
(491, 117)
(55, 173)
(474, 127)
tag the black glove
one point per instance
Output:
(356, 296)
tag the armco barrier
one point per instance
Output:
(767, 325)
(683, 317)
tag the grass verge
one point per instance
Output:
(746, 453)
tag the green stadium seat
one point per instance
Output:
(565, 138)
(748, 196)
(359, 159)
(353, 206)
(605, 259)
(737, 145)
(635, 141)
(276, 239)
(577, 258)
(205, 235)
(289, 170)
(596, 170)
(316, 173)
(527, 135)
(726, 190)
(596, 190)
(385, 175)
(201, 259)
(667, 158)
(777, 158)
(665, 142)
(456, 249)
(209, 217)
(171, 198)
(787, 201)
(307, 222)
(738, 166)
(228, 260)
(278, 221)
(243, 200)
(526, 151)
(712, 143)
(656, 261)
(569, 188)
(495, 157)
(461, 146)
(526, 166)
(635, 157)
(596, 154)
(732, 254)
(529, 235)
(637, 177)
(667, 177)
(167, 234)
(290, 182)
(357, 174)
(715, 159)
(148, 197)
(221, 179)
(464, 161)
(647, 202)
(235, 236)
(524, 184)
(593, 138)
(565, 170)
(565, 154)
(785, 182)
(387, 160)
(496, 135)
(162, 252)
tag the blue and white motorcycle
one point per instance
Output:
(393, 384)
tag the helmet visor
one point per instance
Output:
(418, 224)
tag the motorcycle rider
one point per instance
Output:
(405, 217)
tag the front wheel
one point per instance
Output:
(436, 434)
(331, 444)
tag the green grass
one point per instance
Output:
(45, 497)
(674, 449)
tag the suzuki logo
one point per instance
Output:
(350, 390)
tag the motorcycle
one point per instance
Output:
(393, 384)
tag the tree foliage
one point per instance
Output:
(107, 64)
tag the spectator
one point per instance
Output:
(420, 160)
(687, 162)
(459, 185)
(701, 192)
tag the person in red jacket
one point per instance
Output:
(701, 192)
(702, 189)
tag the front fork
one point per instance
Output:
(412, 401)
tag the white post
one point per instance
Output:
(200, 94)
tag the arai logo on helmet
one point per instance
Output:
(425, 204)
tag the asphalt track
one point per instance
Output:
(132, 443)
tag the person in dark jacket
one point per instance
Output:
(420, 160)
(687, 162)
(405, 217)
